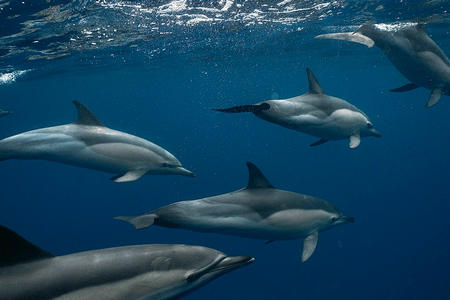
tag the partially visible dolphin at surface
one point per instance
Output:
(316, 114)
(410, 50)
(88, 143)
(122, 273)
(4, 113)
(256, 211)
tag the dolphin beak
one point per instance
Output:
(184, 172)
(375, 132)
(232, 262)
(346, 219)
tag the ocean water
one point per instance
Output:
(156, 69)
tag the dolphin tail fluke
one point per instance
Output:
(405, 88)
(434, 97)
(245, 108)
(355, 37)
(139, 222)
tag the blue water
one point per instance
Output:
(162, 88)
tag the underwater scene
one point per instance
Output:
(224, 149)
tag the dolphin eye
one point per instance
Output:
(166, 165)
(333, 219)
(369, 125)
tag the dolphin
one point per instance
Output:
(4, 113)
(88, 143)
(410, 50)
(316, 114)
(129, 272)
(257, 211)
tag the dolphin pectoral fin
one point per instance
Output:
(245, 108)
(309, 245)
(405, 88)
(129, 176)
(355, 140)
(434, 97)
(355, 37)
(139, 222)
(319, 142)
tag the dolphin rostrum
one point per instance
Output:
(122, 273)
(316, 114)
(256, 211)
(88, 143)
(410, 50)
(4, 113)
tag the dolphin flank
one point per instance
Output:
(89, 144)
(411, 51)
(314, 113)
(122, 273)
(256, 211)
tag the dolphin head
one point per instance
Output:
(369, 130)
(167, 164)
(336, 218)
(183, 268)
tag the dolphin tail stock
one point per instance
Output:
(245, 108)
(139, 222)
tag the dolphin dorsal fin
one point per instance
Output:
(15, 249)
(256, 179)
(314, 86)
(421, 27)
(85, 116)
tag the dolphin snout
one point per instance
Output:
(375, 132)
(232, 262)
(185, 172)
(347, 219)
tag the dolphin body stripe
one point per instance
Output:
(257, 211)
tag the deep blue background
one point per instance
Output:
(396, 187)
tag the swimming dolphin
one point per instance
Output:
(256, 211)
(316, 114)
(88, 143)
(4, 113)
(131, 272)
(411, 51)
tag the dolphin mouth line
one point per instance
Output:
(222, 265)
(241, 261)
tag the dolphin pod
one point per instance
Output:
(411, 51)
(316, 114)
(122, 273)
(89, 144)
(256, 211)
